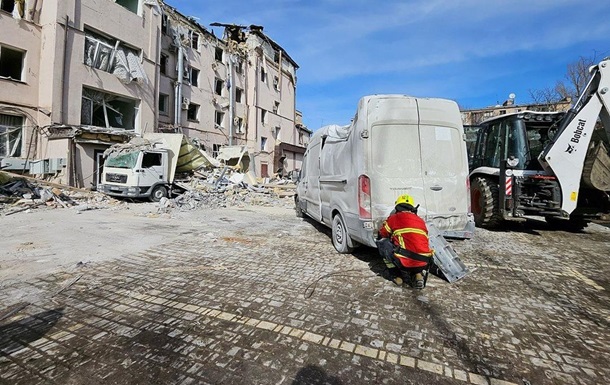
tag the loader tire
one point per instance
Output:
(484, 196)
(572, 224)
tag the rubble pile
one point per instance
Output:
(217, 193)
(19, 194)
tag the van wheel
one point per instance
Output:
(297, 207)
(157, 193)
(484, 197)
(340, 235)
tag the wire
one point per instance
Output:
(312, 286)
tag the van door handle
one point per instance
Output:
(436, 188)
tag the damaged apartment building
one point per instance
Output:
(79, 76)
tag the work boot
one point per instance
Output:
(393, 274)
(418, 281)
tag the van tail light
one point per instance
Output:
(468, 194)
(364, 197)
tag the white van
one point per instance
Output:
(396, 144)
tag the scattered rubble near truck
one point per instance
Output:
(395, 145)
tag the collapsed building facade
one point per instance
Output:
(79, 76)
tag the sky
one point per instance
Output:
(475, 52)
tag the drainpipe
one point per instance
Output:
(178, 91)
(231, 98)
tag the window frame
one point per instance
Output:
(193, 108)
(14, 51)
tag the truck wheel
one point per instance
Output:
(157, 193)
(572, 224)
(484, 197)
(340, 235)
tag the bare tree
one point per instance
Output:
(573, 84)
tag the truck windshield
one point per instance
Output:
(127, 160)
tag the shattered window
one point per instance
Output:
(194, 77)
(11, 132)
(238, 94)
(193, 112)
(218, 54)
(11, 63)
(263, 143)
(164, 24)
(263, 75)
(163, 104)
(218, 85)
(163, 64)
(102, 109)
(195, 41)
(218, 118)
(110, 55)
(150, 159)
(263, 117)
(124, 160)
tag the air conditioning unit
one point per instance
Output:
(185, 103)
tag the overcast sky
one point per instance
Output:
(475, 52)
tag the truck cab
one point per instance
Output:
(136, 174)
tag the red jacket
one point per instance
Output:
(408, 231)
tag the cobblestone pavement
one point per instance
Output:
(258, 296)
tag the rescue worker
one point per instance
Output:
(403, 243)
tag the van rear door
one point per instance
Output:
(444, 163)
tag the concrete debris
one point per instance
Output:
(217, 188)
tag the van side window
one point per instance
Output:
(151, 159)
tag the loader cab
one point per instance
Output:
(519, 137)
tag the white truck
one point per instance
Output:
(146, 167)
(351, 175)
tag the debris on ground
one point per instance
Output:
(216, 188)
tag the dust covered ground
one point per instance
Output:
(254, 295)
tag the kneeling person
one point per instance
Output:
(404, 243)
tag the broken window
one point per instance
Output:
(150, 159)
(263, 143)
(109, 55)
(11, 132)
(101, 109)
(164, 24)
(218, 54)
(11, 63)
(218, 118)
(300, 138)
(195, 40)
(263, 75)
(239, 68)
(276, 83)
(276, 107)
(163, 63)
(218, 85)
(263, 117)
(131, 5)
(215, 149)
(238, 94)
(239, 125)
(122, 160)
(193, 112)
(7, 5)
(194, 77)
(164, 104)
